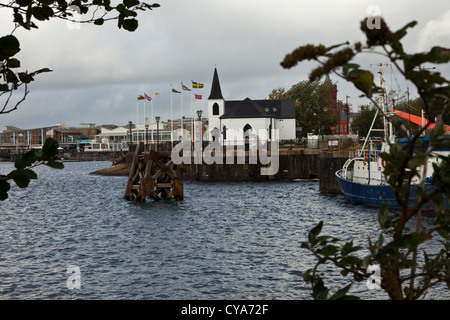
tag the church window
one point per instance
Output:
(215, 109)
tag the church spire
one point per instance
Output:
(216, 93)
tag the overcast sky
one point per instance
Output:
(99, 71)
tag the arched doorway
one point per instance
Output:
(247, 130)
(247, 127)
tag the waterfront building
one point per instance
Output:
(255, 115)
(14, 138)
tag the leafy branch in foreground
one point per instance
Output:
(27, 13)
(23, 173)
(404, 274)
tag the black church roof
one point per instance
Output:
(256, 109)
(216, 93)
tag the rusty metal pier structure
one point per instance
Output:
(154, 175)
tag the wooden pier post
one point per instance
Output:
(154, 175)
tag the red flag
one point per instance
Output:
(198, 96)
(184, 87)
(147, 97)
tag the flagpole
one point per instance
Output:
(182, 113)
(171, 116)
(192, 115)
(137, 119)
(151, 107)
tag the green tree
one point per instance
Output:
(312, 105)
(403, 274)
(363, 122)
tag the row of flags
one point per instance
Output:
(145, 96)
(195, 85)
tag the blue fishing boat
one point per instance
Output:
(362, 179)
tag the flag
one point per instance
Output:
(175, 91)
(198, 96)
(197, 85)
(140, 97)
(184, 87)
(155, 94)
(147, 97)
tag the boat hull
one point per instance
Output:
(375, 195)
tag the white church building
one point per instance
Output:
(269, 119)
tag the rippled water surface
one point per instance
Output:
(223, 241)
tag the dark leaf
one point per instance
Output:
(23, 3)
(409, 241)
(25, 77)
(55, 164)
(40, 71)
(342, 294)
(42, 13)
(402, 32)
(4, 188)
(130, 24)
(151, 6)
(46, 2)
(50, 149)
(314, 232)
(320, 292)
(130, 3)
(9, 46)
(328, 250)
(13, 63)
(99, 21)
(20, 178)
(11, 77)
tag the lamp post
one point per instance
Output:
(131, 134)
(322, 127)
(347, 110)
(157, 132)
(146, 133)
(199, 114)
(20, 135)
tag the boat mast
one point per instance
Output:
(383, 103)
(383, 108)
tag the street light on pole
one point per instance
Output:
(131, 134)
(347, 110)
(20, 135)
(157, 132)
(146, 133)
(199, 114)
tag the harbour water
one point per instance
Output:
(223, 241)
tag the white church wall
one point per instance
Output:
(286, 128)
(214, 120)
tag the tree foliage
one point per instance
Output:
(27, 13)
(23, 173)
(362, 123)
(396, 251)
(312, 105)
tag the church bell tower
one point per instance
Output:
(216, 103)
